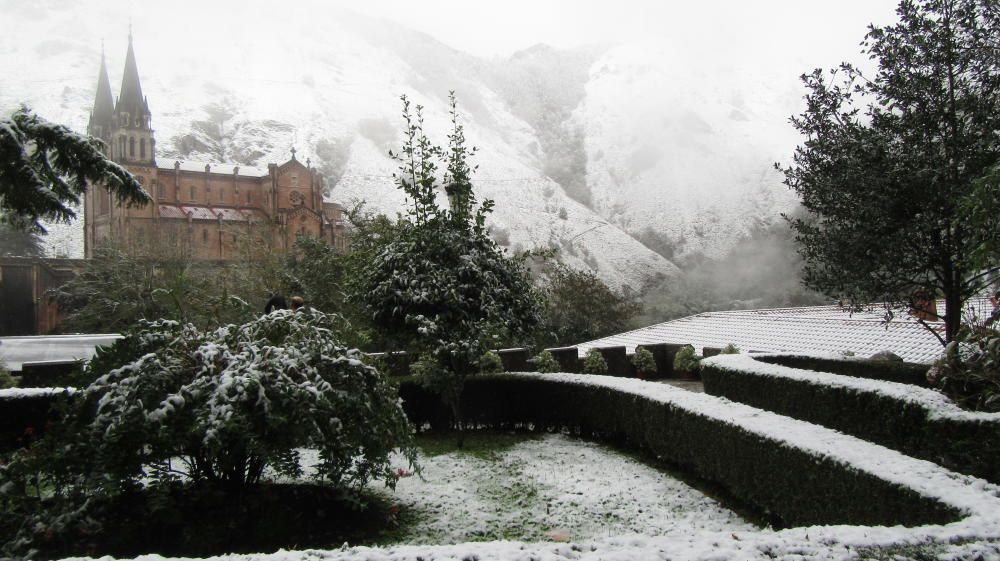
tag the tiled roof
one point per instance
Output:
(199, 212)
(814, 329)
(190, 165)
(211, 213)
(171, 211)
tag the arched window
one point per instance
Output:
(204, 236)
(222, 194)
(121, 146)
(249, 196)
(160, 191)
(142, 148)
(192, 192)
(208, 194)
(131, 147)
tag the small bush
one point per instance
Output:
(730, 349)
(491, 363)
(545, 362)
(644, 361)
(594, 363)
(6, 380)
(686, 360)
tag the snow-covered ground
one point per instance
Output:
(553, 487)
(975, 536)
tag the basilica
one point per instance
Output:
(203, 209)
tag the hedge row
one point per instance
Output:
(888, 371)
(913, 420)
(789, 483)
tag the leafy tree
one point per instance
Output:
(889, 158)
(579, 307)
(45, 168)
(594, 363)
(981, 207)
(442, 287)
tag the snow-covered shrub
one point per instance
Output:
(545, 362)
(730, 349)
(644, 362)
(686, 359)
(594, 363)
(222, 406)
(491, 363)
(969, 371)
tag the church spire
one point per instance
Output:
(100, 117)
(130, 99)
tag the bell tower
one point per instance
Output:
(132, 141)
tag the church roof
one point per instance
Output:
(811, 329)
(226, 168)
(130, 99)
(198, 212)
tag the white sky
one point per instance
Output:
(826, 31)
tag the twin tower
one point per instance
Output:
(123, 124)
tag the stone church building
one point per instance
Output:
(204, 209)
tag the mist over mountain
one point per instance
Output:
(619, 156)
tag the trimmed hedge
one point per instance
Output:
(888, 371)
(791, 484)
(961, 441)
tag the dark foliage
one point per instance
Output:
(889, 158)
(45, 168)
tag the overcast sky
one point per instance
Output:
(828, 30)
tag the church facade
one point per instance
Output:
(205, 210)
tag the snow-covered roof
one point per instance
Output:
(812, 329)
(171, 211)
(199, 212)
(214, 167)
(16, 351)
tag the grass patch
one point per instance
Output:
(485, 445)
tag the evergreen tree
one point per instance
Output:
(442, 287)
(45, 168)
(888, 159)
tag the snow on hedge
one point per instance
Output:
(977, 535)
(22, 393)
(937, 405)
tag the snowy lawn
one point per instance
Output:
(538, 488)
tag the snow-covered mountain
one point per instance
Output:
(583, 150)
